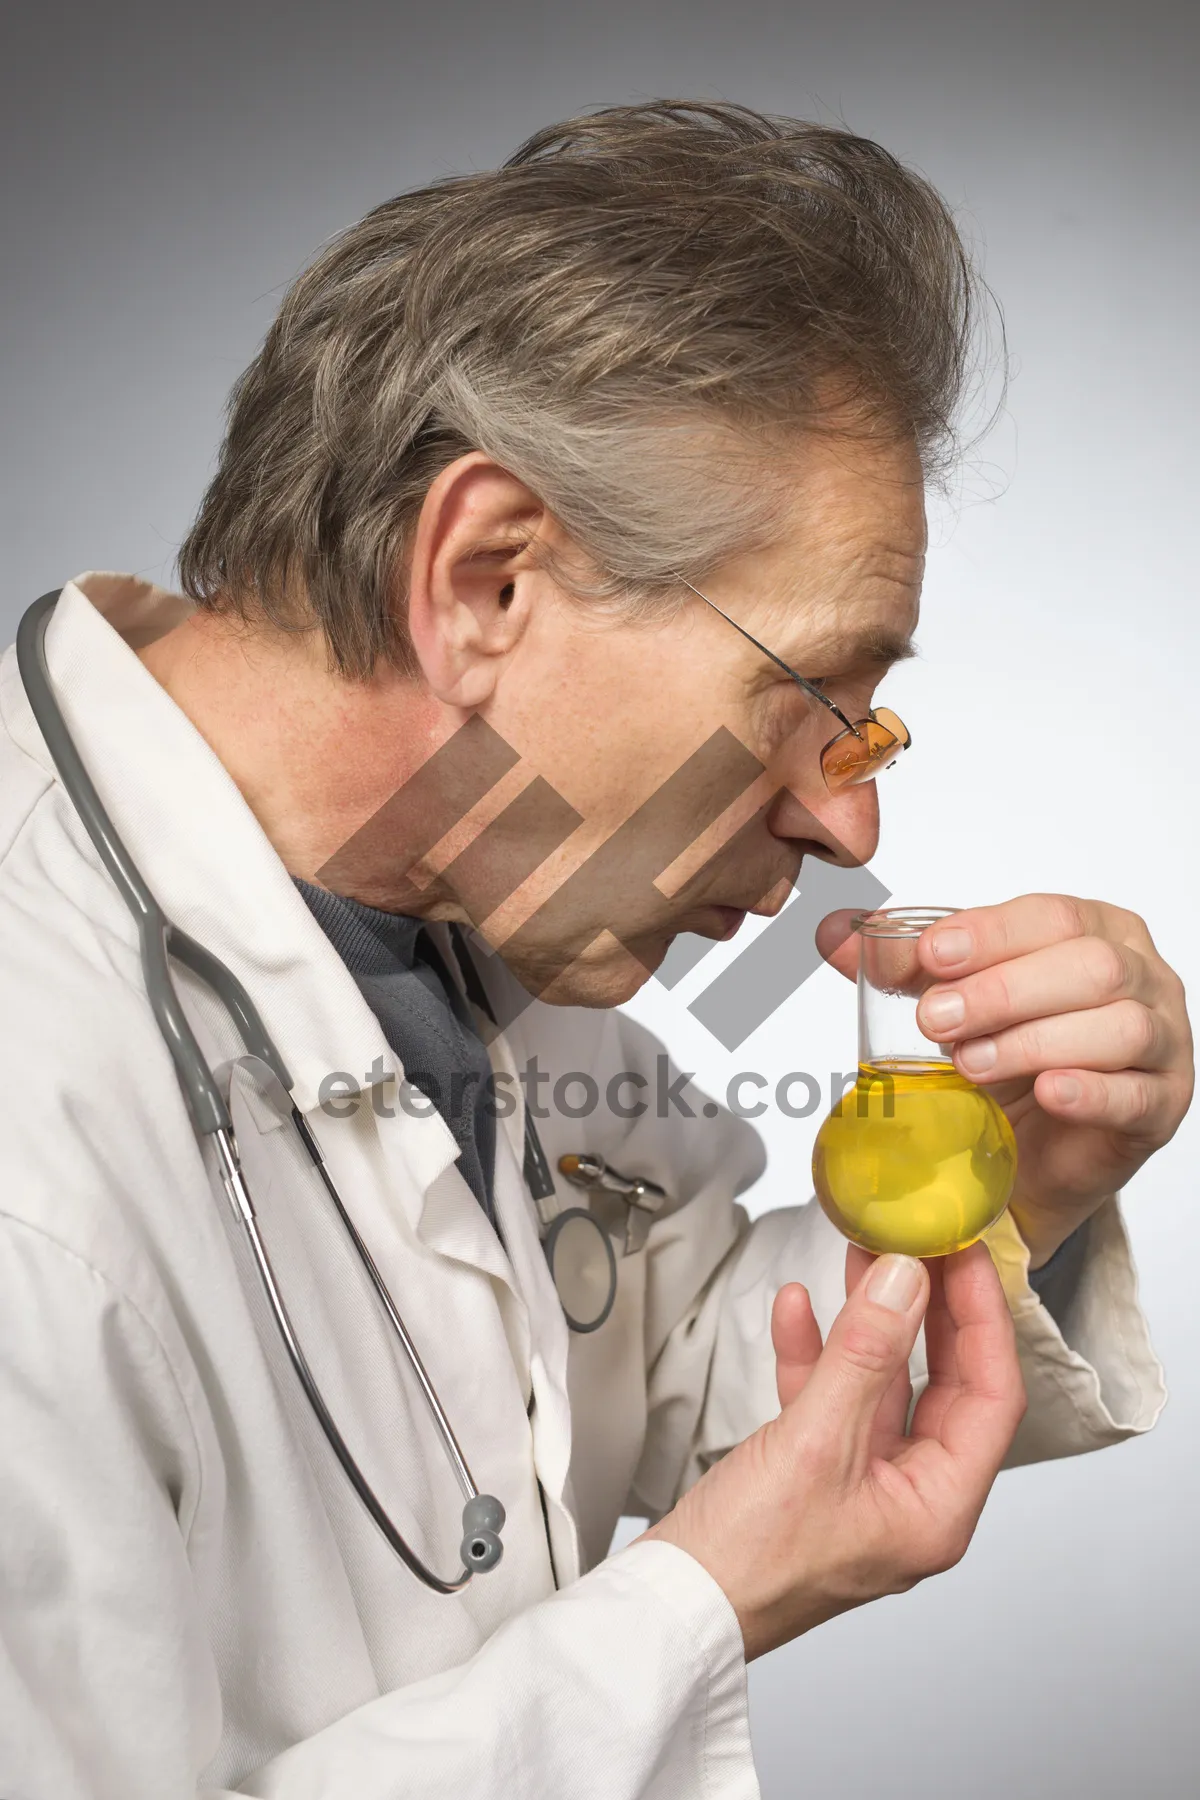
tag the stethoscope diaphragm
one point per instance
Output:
(583, 1265)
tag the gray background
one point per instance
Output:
(168, 171)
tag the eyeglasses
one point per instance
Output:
(860, 751)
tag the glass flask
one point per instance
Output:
(914, 1157)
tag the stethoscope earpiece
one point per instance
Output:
(483, 1520)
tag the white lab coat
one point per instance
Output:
(192, 1600)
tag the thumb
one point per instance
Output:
(838, 942)
(868, 1346)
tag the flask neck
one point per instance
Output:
(891, 981)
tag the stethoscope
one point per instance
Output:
(577, 1245)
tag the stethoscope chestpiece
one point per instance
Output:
(577, 1242)
(583, 1266)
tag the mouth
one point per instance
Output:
(712, 919)
(718, 922)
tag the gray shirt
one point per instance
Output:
(424, 1018)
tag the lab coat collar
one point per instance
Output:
(214, 870)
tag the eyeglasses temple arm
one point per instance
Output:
(799, 680)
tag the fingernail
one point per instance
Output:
(943, 1009)
(1067, 1089)
(895, 1282)
(951, 945)
(978, 1056)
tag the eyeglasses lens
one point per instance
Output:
(849, 760)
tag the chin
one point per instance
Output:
(607, 974)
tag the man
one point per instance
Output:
(540, 478)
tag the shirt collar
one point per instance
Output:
(369, 942)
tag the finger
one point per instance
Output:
(1125, 1035)
(891, 1415)
(979, 936)
(975, 1396)
(838, 942)
(796, 1337)
(869, 1345)
(942, 1383)
(1061, 978)
(1142, 1107)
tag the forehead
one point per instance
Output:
(841, 580)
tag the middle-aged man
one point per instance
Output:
(540, 478)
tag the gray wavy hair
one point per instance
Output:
(634, 315)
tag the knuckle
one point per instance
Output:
(813, 1454)
(1066, 915)
(1106, 966)
(1179, 1099)
(1028, 1041)
(903, 1581)
(989, 996)
(998, 928)
(1133, 927)
(1176, 992)
(867, 1348)
(819, 1458)
(941, 1548)
(1018, 1401)
(1140, 1103)
(1140, 1029)
(954, 1547)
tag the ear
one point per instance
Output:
(470, 585)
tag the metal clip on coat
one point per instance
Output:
(643, 1199)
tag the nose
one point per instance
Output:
(840, 828)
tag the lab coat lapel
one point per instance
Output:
(449, 1220)
(549, 1335)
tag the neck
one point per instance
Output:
(314, 755)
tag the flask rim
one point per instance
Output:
(900, 921)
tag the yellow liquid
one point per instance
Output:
(914, 1158)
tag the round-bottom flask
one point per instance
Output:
(914, 1157)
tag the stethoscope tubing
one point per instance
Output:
(159, 941)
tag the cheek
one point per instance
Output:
(782, 719)
(609, 734)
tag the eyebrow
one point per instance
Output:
(866, 650)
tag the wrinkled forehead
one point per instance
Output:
(841, 580)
